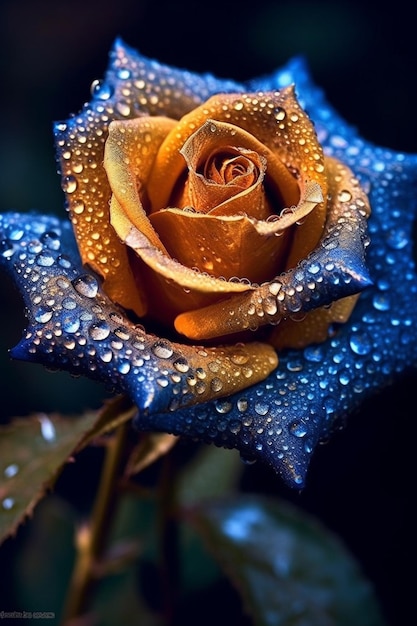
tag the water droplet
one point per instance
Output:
(360, 343)
(223, 406)
(34, 247)
(298, 429)
(381, 302)
(314, 354)
(6, 249)
(47, 428)
(124, 367)
(242, 405)
(106, 355)
(78, 207)
(70, 323)
(45, 259)
(239, 358)
(69, 304)
(123, 73)
(43, 314)
(69, 184)
(123, 108)
(330, 405)
(216, 385)
(99, 330)
(280, 114)
(64, 261)
(344, 196)
(314, 268)
(15, 233)
(11, 470)
(181, 365)
(122, 334)
(261, 408)
(86, 285)
(51, 240)
(101, 90)
(7, 504)
(162, 350)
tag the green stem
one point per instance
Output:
(92, 539)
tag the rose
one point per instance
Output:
(202, 216)
(90, 326)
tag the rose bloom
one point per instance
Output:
(196, 218)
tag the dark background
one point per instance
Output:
(364, 57)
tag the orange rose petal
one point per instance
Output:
(314, 328)
(224, 370)
(221, 246)
(128, 158)
(164, 265)
(85, 184)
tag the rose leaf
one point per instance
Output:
(286, 566)
(33, 451)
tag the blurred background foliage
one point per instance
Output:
(363, 56)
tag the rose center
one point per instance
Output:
(235, 167)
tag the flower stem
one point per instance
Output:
(91, 539)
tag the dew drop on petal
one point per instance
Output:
(86, 285)
(69, 184)
(360, 343)
(298, 429)
(124, 367)
(381, 302)
(70, 323)
(345, 196)
(43, 314)
(162, 350)
(181, 365)
(99, 330)
(101, 90)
